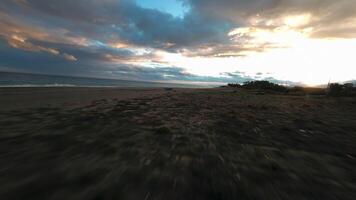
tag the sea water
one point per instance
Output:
(9, 79)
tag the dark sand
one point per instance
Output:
(92, 143)
(68, 97)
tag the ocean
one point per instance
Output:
(9, 79)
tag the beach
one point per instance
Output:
(13, 98)
(164, 143)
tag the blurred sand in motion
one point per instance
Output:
(92, 143)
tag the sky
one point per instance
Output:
(307, 42)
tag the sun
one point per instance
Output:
(293, 55)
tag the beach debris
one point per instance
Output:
(221, 158)
(306, 133)
(302, 131)
(256, 130)
(238, 176)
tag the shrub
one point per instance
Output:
(234, 85)
(337, 90)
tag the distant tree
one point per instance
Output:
(336, 89)
(348, 89)
(264, 85)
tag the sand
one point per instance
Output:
(69, 97)
(181, 144)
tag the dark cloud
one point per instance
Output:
(114, 37)
(207, 23)
(121, 20)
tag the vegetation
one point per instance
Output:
(337, 90)
(260, 85)
(334, 89)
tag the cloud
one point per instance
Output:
(19, 42)
(90, 66)
(69, 57)
(20, 36)
(117, 37)
(110, 20)
(328, 17)
(206, 25)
